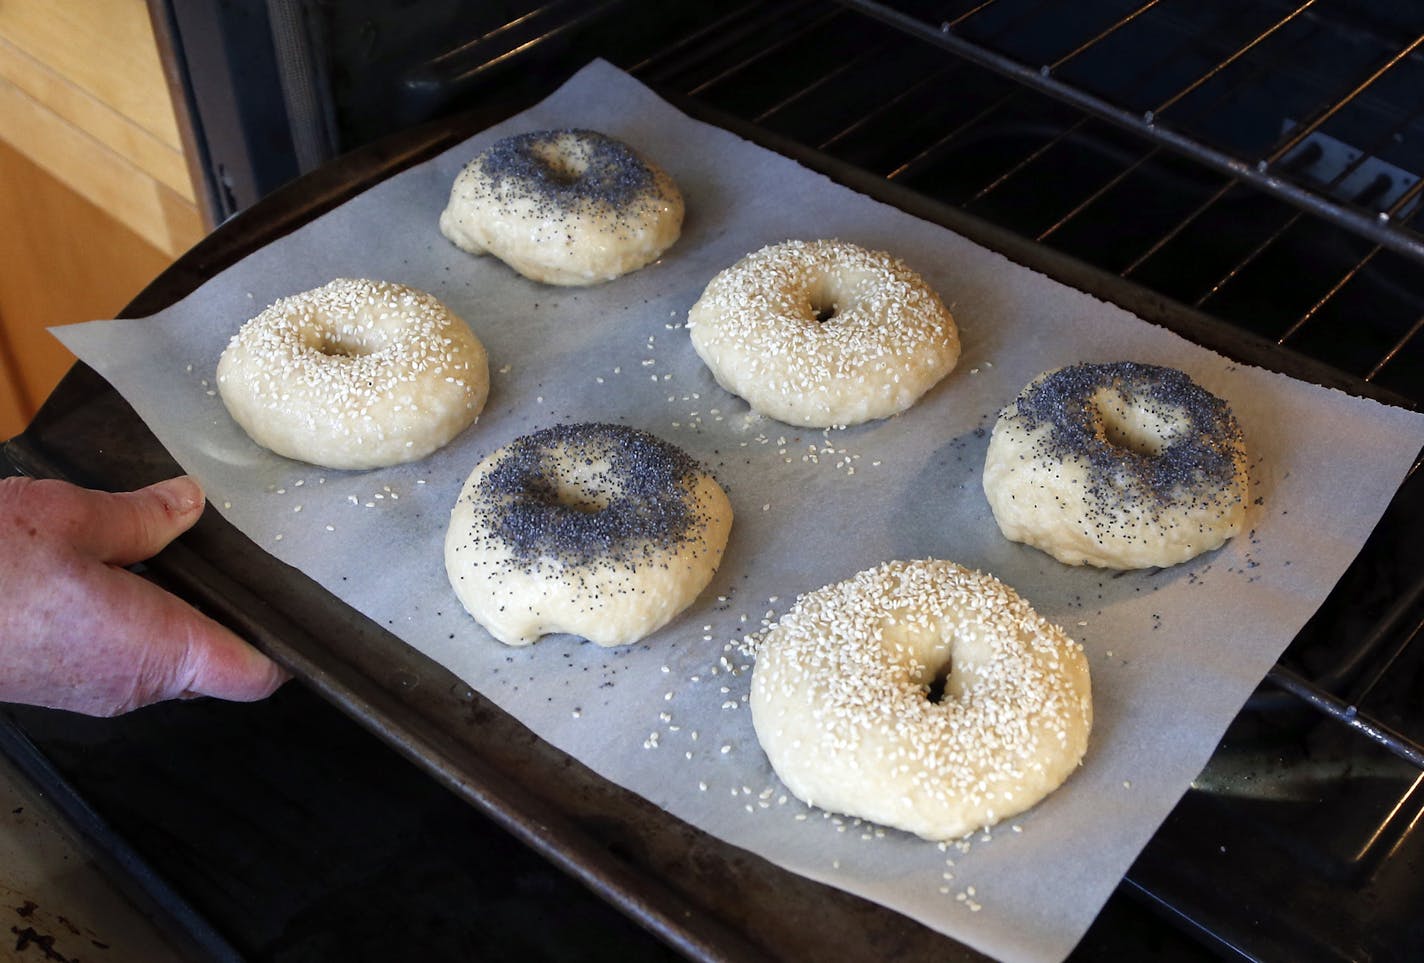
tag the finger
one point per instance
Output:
(127, 527)
(185, 653)
(223, 666)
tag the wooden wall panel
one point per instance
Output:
(96, 195)
(151, 153)
(155, 212)
(84, 95)
(62, 259)
(13, 413)
(103, 47)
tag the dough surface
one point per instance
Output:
(823, 333)
(565, 207)
(600, 531)
(923, 696)
(354, 374)
(1118, 465)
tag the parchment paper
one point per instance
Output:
(1173, 653)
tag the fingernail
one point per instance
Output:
(182, 494)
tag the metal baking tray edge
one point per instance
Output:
(705, 898)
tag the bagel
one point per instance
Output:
(354, 374)
(923, 696)
(823, 333)
(565, 207)
(1120, 465)
(601, 531)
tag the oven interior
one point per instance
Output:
(1254, 163)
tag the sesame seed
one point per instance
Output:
(767, 306)
(354, 344)
(965, 753)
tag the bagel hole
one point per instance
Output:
(938, 682)
(338, 347)
(574, 482)
(578, 500)
(823, 313)
(563, 167)
(1133, 428)
(1125, 437)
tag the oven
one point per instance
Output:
(1242, 174)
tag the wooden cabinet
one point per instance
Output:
(95, 191)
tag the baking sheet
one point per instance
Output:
(1174, 653)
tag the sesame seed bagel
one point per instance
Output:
(568, 207)
(922, 696)
(823, 333)
(354, 374)
(601, 531)
(1118, 465)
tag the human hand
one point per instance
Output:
(79, 632)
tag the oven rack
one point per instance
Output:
(1340, 175)
(1274, 126)
(1327, 692)
(1271, 167)
(1253, 213)
(1373, 236)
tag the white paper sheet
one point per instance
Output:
(1173, 653)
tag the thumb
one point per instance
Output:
(127, 527)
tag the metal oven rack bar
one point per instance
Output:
(1264, 172)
